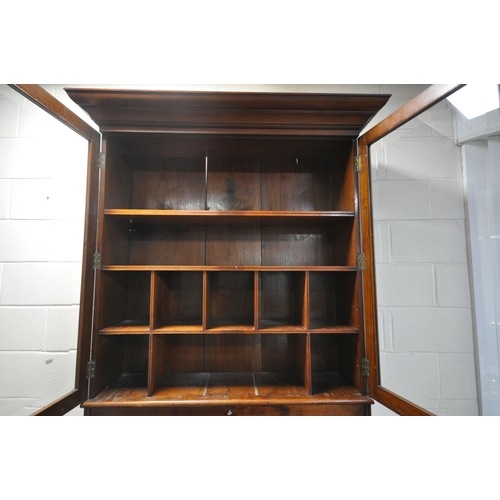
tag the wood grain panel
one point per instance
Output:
(324, 353)
(333, 299)
(178, 354)
(231, 111)
(297, 184)
(298, 246)
(283, 353)
(167, 245)
(233, 184)
(346, 410)
(281, 299)
(124, 299)
(344, 178)
(178, 299)
(120, 359)
(233, 245)
(115, 246)
(169, 184)
(322, 300)
(233, 353)
(230, 299)
(117, 182)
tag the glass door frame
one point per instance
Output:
(55, 108)
(428, 98)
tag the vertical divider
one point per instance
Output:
(158, 347)
(205, 300)
(152, 368)
(153, 299)
(306, 316)
(308, 365)
(256, 300)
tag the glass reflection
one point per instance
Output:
(425, 315)
(42, 202)
(480, 140)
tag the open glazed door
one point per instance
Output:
(411, 238)
(75, 131)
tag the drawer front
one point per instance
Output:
(238, 410)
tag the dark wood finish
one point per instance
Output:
(61, 406)
(417, 105)
(231, 300)
(298, 246)
(233, 353)
(229, 217)
(297, 184)
(282, 301)
(233, 246)
(178, 300)
(233, 184)
(124, 356)
(229, 233)
(234, 113)
(117, 183)
(128, 297)
(179, 245)
(297, 410)
(169, 184)
(333, 300)
(204, 390)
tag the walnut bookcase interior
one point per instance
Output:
(228, 255)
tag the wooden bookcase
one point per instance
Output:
(227, 277)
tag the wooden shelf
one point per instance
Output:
(126, 329)
(229, 217)
(179, 329)
(243, 388)
(149, 268)
(201, 301)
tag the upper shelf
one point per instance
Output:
(236, 113)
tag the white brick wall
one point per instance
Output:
(419, 240)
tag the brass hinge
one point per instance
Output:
(96, 260)
(365, 367)
(361, 262)
(91, 368)
(101, 160)
(357, 163)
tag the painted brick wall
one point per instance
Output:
(423, 288)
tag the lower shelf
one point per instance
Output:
(243, 393)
